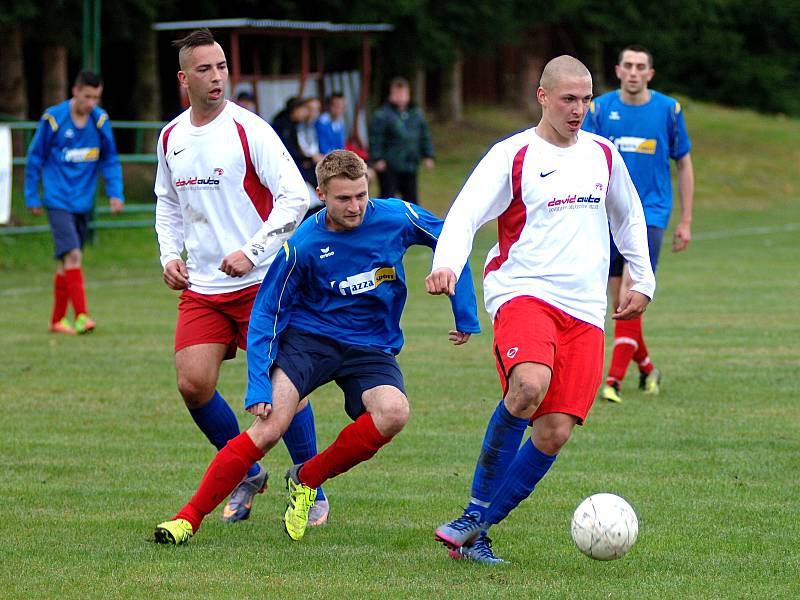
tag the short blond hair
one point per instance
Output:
(340, 163)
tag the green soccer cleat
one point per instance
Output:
(301, 499)
(651, 382)
(84, 324)
(611, 393)
(175, 532)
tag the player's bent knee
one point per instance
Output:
(550, 441)
(265, 433)
(392, 415)
(526, 394)
(195, 393)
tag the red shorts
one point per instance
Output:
(215, 319)
(527, 329)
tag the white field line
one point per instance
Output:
(731, 233)
(120, 282)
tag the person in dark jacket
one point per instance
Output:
(399, 140)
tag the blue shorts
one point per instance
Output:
(655, 236)
(70, 230)
(311, 360)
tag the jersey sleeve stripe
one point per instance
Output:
(259, 194)
(165, 138)
(511, 222)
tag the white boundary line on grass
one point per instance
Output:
(729, 233)
(702, 236)
(89, 284)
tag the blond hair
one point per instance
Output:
(339, 163)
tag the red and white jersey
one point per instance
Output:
(226, 186)
(553, 207)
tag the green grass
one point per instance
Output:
(96, 448)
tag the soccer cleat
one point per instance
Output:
(175, 532)
(241, 500)
(479, 551)
(459, 532)
(610, 392)
(62, 326)
(318, 513)
(650, 382)
(84, 324)
(301, 499)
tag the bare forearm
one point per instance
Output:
(686, 188)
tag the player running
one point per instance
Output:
(553, 190)
(329, 310)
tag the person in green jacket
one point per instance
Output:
(399, 140)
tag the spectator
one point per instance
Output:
(399, 140)
(247, 101)
(330, 125)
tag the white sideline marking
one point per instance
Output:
(89, 285)
(729, 233)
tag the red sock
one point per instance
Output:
(625, 344)
(223, 474)
(356, 443)
(641, 356)
(77, 295)
(60, 298)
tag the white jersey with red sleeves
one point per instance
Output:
(553, 207)
(226, 186)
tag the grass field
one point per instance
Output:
(96, 448)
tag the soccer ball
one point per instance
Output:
(604, 526)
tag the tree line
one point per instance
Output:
(734, 52)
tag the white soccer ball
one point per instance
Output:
(604, 526)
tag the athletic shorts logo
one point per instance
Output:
(512, 352)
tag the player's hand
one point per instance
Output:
(36, 210)
(441, 281)
(116, 205)
(632, 304)
(236, 264)
(681, 237)
(260, 410)
(428, 163)
(176, 275)
(458, 337)
(379, 166)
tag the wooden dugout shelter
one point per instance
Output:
(306, 34)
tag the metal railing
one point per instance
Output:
(137, 157)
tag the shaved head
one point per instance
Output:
(561, 68)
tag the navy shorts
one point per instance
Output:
(311, 361)
(655, 236)
(70, 230)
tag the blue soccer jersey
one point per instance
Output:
(347, 285)
(647, 136)
(67, 158)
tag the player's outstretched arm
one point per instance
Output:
(441, 281)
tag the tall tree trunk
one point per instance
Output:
(419, 88)
(13, 87)
(147, 93)
(536, 49)
(54, 74)
(451, 101)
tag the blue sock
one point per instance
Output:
(219, 423)
(301, 440)
(500, 444)
(528, 468)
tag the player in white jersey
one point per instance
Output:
(553, 190)
(229, 195)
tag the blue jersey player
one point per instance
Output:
(72, 144)
(648, 129)
(328, 310)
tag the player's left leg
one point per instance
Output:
(232, 462)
